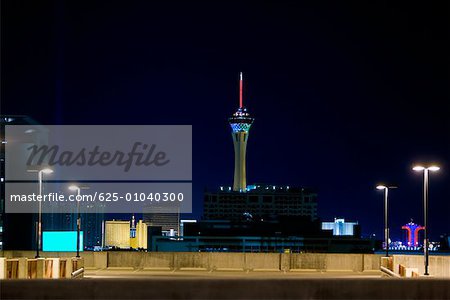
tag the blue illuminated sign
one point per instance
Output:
(61, 241)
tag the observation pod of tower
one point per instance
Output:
(240, 124)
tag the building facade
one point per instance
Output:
(341, 228)
(139, 239)
(260, 202)
(161, 216)
(117, 234)
(263, 244)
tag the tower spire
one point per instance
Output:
(240, 90)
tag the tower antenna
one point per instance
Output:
(240, 89)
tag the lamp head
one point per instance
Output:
(73, 187)
(434, 168)
(47, 171)
(418, 168)
(381, 187)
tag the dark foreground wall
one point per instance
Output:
(215, 288)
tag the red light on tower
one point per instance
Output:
(240, 89)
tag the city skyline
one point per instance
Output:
(337, 112)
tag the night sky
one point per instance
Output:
(345, 94)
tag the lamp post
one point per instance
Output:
(425, 171)
(39, 222)
(78, 190)
(386, 224)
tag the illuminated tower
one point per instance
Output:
(240, 124)
(413, 233)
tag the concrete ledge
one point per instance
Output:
(229, 269)
(339, 271)
(223, 288)
(266, 270)
(156, 269)
(304, 270)
(193, 269)
(119, 268)
(372, 272)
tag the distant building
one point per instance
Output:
(23, 225)
(13, 225)
(139, 238)
(122, 235)
(282, 227)
(117, 234)
(160, 216)
(263, 244)
(341, 228)
(264, 202)
(183, 223)
(91, 224)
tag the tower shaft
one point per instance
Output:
(240, 149)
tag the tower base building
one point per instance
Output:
(260, 202)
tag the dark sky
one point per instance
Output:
(345, 94)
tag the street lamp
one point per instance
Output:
(46, 171)
(386, 226)
(425, 171)
(77, 188)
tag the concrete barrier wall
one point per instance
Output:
(243, 261)
(125, 259)
(263, 261)
(351, 262)
(227, 261)
(218, 260)
(191, 260)
(371, 262)
(159, 260)
(100, 260)
(309, 261)
(439, 266)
